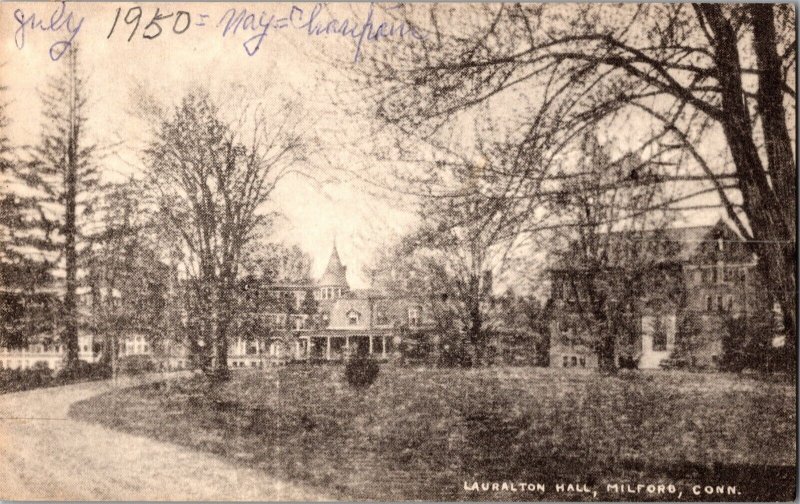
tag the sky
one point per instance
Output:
(241, 60)
(323, 205)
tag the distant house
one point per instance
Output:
(710, 276)
(41, 344)
(343, 321)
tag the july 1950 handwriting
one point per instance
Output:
(152, 23)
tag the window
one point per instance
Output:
(145, 347)
(566, 361)
(414, 316)
(565, 334)
(728, 274)
(659, 336)
(714, 275)
(574, 361)
(583, 362)
(558, 289)
(353, 317)
(719, 303)
(720, 244)
(381, 317)
(730, 303)
(709, 303)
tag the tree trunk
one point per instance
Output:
(70, 336)
(768, 200)
(780, 257)
(476, 333)
(224, 316)
(114, 356)
(606, 354)
(206, 307)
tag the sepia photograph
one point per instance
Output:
(396, 252)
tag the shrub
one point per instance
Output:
(136, 364)
(454, 352)
(14, 380)
(745, 343)
(83, 370)
(415, 347)
(361, 371)
(628, 362)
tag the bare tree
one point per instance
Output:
(461, 243)
(212, 180)
(688, 73)
(616, 256)
(128, 279)
(277, 263)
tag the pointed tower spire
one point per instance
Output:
(336, 273)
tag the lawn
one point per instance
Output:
(422, 433)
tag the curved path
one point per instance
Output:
(44, 455)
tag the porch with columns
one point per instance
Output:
(335, 346)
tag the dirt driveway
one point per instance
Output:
(46, 456)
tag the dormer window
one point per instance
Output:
(414, 316)
(381, 317)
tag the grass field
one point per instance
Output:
(422, 433)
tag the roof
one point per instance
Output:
(336, 273)
(687, 241)
(369, 293)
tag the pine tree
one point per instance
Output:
(5, 143)
(24, 308)
(63, 183)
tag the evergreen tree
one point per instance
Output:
(62, 183)
(23, 310)
(5, 143)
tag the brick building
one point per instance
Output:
(707, 274)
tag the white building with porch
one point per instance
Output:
(347, 322)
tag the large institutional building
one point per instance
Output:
(706, 273)
(324, 320)
(339, 323)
